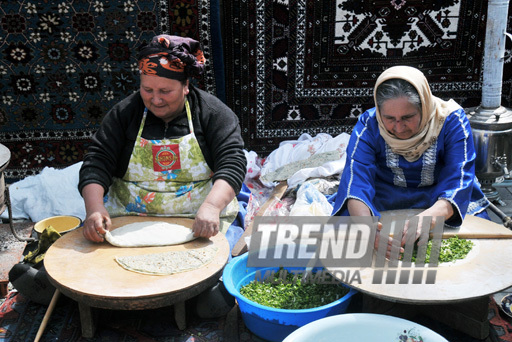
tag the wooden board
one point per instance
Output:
(473, 227)
(87, 272)
(276, 195)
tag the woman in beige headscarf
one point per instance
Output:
(413, 150)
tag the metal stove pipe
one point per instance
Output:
(495, 37)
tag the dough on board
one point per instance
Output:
(168, 262)
(150, 233)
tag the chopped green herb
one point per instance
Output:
(451, 249)
(286, 290)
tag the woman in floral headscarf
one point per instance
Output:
(170, 149)
(413, 150)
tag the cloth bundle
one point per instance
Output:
(47, 238)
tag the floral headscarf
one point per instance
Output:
(433, 114)
(171, 57)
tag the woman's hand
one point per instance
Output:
(358, 208)
(422, 222)
(442, 208)
(97, 219)
(207, 221)
(96, 225)
(391, 242)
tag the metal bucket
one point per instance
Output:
(492, 135)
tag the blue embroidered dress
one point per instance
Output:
(384, 180)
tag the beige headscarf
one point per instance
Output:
(433, 114)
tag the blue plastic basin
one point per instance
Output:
(269, 323)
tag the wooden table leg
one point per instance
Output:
(87, 320)
(179, 315)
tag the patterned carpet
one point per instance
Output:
(285, 67)
(20, 320)
(310, 65)
(65, 63)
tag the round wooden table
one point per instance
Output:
(483, 272)
(459, 296)
(87, 272)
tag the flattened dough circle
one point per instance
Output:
(168, 262)
(151, 233)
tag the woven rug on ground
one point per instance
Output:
(310, 65)
(20, 320)
(65, 63)
(500, 322)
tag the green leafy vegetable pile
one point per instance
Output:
(451, 249)
(292, 292)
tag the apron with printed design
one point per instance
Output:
(167, 177)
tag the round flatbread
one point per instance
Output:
(168, 262)
(151, 233)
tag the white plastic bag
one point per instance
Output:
(50, 193)
(310, 202)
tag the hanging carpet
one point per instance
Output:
(309, 66)
(66, 63)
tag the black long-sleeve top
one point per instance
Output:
(215, 125)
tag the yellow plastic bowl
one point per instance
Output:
(62, 224)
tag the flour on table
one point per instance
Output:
(168, 262)
(151, 233)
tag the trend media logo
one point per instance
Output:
(351, 249)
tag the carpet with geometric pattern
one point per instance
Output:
(309, 66)
(66, 63)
